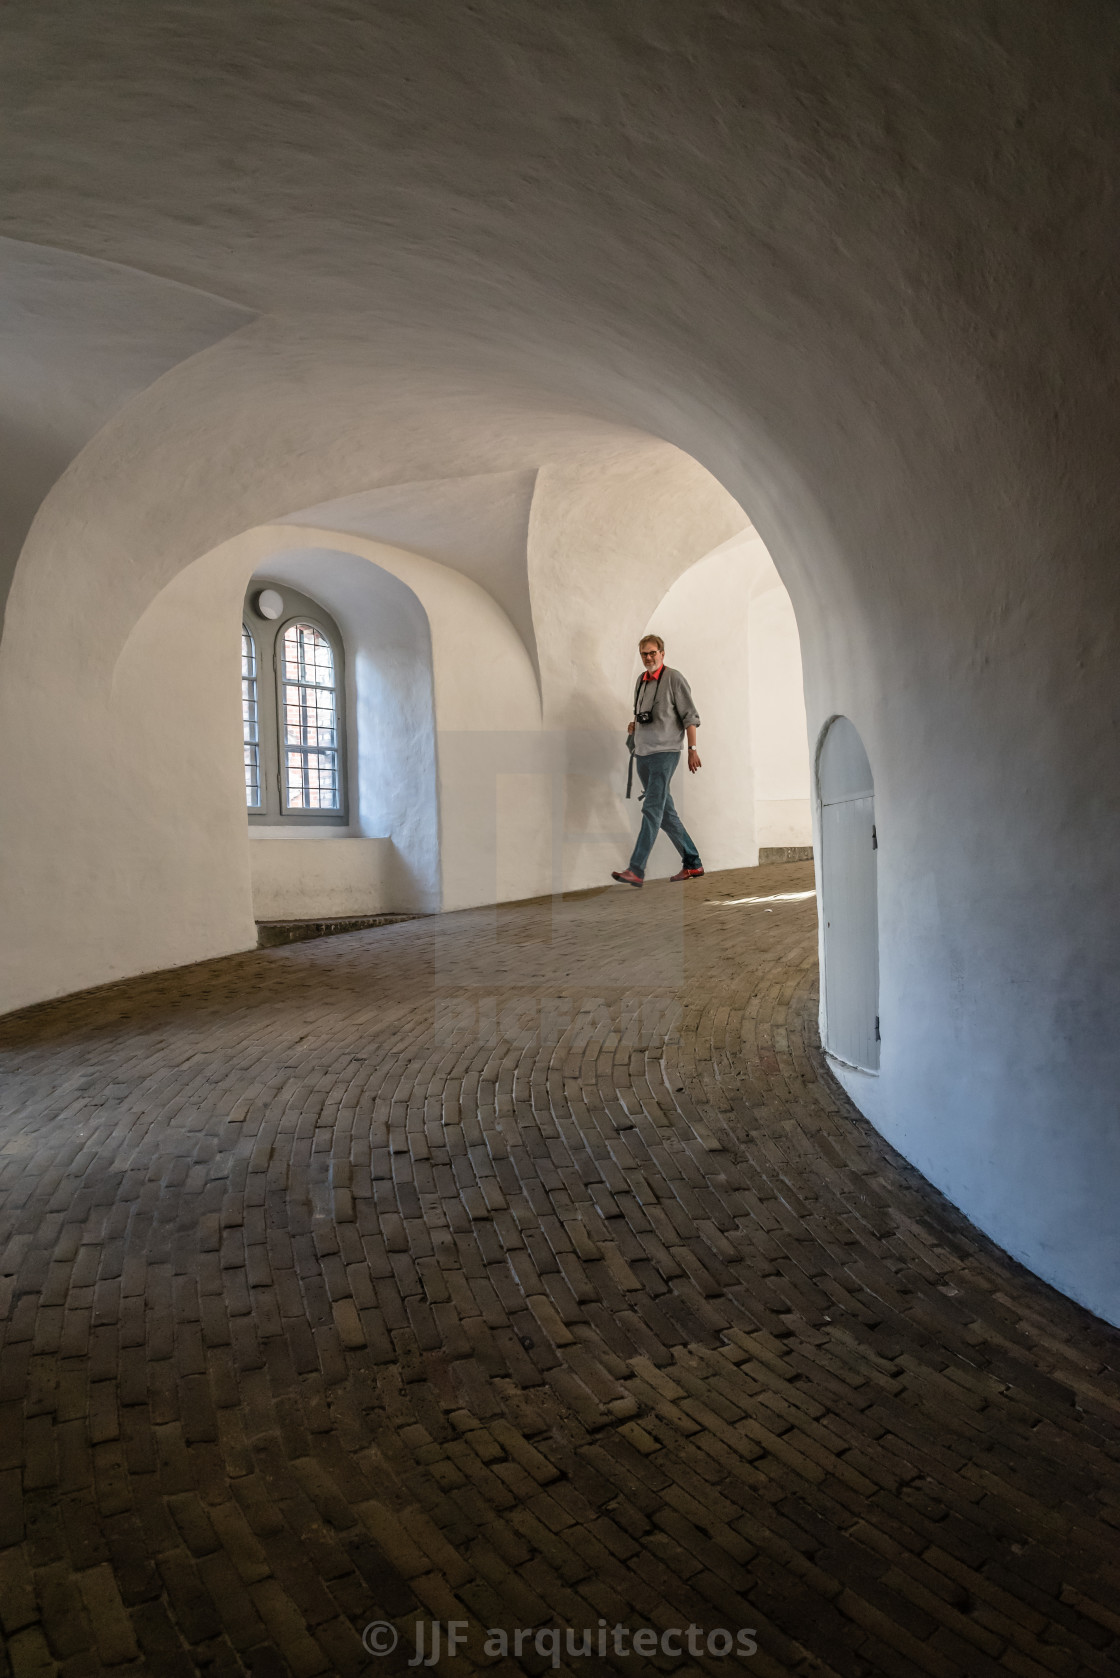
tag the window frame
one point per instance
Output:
(253, 676)
(267, 635)
(289, 811)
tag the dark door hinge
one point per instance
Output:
(878, 1039)
(874, 839)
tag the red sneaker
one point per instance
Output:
(685, 874)
(628, 878)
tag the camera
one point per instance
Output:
(643, 716)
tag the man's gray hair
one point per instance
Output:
(656, 639)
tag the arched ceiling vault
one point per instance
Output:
(764, 233)
(78, 339)
(478, 525)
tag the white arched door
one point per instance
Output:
(849, 898)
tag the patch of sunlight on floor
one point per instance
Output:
(778, 897)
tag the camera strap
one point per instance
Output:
(642, 683)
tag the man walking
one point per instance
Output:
(663, 715)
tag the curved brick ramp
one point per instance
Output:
(442, 1272)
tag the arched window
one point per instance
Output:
(294, 725)
(309, 711)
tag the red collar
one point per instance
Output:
(652, 675)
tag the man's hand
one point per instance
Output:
(630, 730)
(693, 760)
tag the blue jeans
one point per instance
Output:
(659, 812)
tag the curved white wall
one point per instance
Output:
(856, 260)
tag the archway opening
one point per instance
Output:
(728, 623)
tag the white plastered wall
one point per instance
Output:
(779, 740)
(331, 876)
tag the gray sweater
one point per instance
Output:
(673, 712)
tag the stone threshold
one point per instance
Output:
(271, 934)
(784, 853)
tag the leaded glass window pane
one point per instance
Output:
(309, 724)
(250, 720)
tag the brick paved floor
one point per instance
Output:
(523, 1268)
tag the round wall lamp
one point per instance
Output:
(270, 603)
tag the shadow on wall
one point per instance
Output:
(78, 338)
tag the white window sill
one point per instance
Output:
(301, 830)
